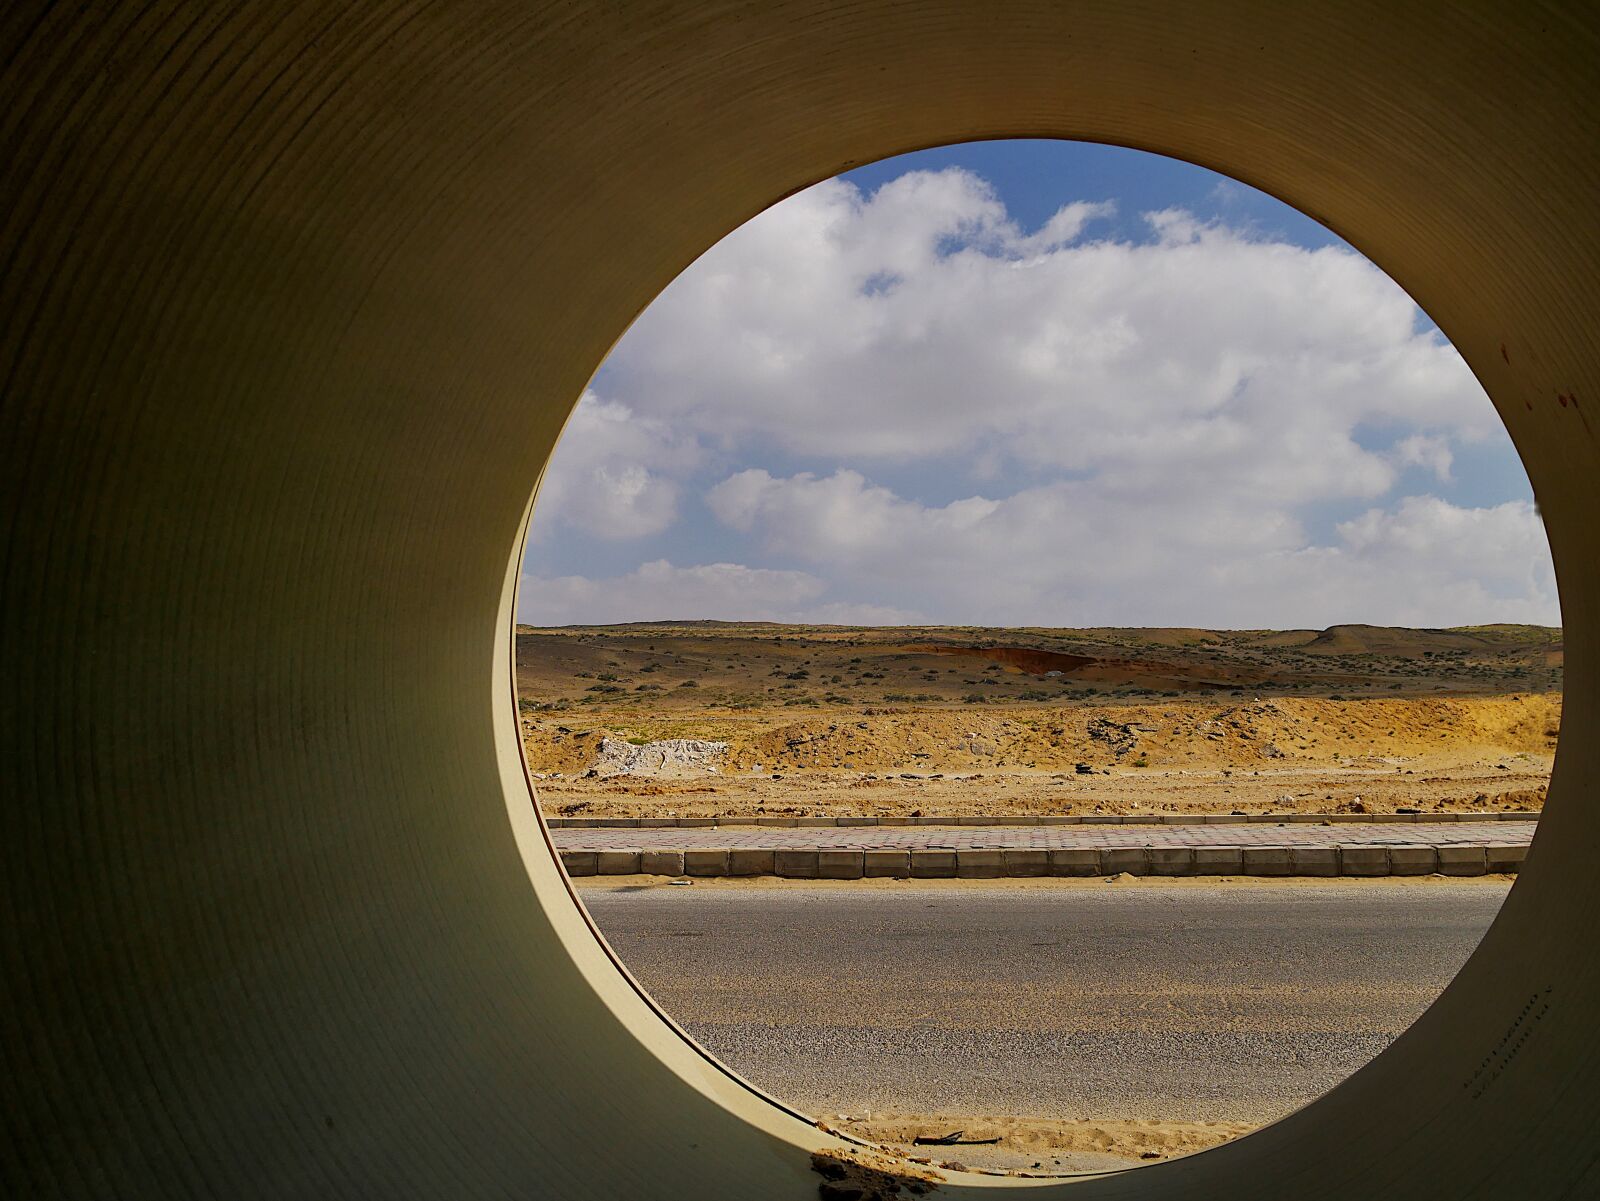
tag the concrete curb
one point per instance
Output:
(1079, 819)
(1022, 862)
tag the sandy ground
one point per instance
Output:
(827, 723)
(1044, 1145)
(1436, 785)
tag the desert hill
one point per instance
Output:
(852, 719)
(731, 664)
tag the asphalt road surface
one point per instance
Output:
(1150, 1001)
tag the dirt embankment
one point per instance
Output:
(840, 720)
(1250, 734)
(1181, 756)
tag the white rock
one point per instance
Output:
(672, 756)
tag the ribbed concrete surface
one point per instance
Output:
(294, 299)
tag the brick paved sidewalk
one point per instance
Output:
(946, 838)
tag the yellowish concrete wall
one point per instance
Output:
(295, 299)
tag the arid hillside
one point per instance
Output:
(783, 719)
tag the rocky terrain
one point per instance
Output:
(701, 719)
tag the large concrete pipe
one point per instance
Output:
(295, 298)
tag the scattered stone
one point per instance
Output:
(1120, 737)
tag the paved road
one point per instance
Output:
(1151, 1001)
(1034, 837)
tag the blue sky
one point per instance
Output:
(1035, 177)
(1035, 383)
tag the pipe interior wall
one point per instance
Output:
(296, 298)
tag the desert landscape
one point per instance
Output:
(712, 719)
(748, 721)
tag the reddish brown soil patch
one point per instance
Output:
(1135, 672)
(1025, 658)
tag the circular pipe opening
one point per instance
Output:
(642, 992)
(296, 308)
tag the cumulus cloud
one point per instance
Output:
(920, 321)
(841, 518)
(615, 474)
(1429, 451)
(658, 591)
(1066, 553)
(848, 613)
(1471, 564)
(1154, 430)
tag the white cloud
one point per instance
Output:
(845, 613)
(1473, 565)
(920, 321)
(1067, 554)
(1424, 450)
(839, 519)
(613, 473)
(658, 591)
(1147, 431)
(1063, 228)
